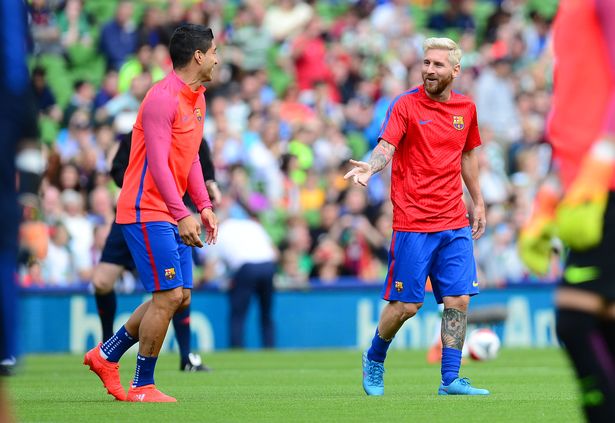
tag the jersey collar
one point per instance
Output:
(185, 89)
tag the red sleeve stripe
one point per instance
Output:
(148, 248)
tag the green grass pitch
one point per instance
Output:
(302, 386)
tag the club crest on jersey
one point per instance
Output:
(458, 123)
(399, 286)
(169, 273)
(198, 113)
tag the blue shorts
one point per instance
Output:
(116, 250)
(447, 257)
(163, 261)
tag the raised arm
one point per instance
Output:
(362, 171)
(391, 135)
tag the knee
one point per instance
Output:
(102, 283)
(173, 299)
(186, 299)
(458, 303)
(408, 310)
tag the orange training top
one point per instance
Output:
(164, 160)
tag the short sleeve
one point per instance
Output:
(395, 123)
(473, 138)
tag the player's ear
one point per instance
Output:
(199, 56)
(456, 70)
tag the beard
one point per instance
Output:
(437, 87)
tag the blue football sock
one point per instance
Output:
(451, 361)
(378, 350)
(117, 345)
(181, 324)
(144, 373)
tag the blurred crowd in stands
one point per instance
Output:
(302, 87)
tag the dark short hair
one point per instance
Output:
(39, 71)
(79, 83)
(187, 39)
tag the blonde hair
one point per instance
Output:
(454, 52)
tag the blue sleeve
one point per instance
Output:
(395, 122)
(13, 69)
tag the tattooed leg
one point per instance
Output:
(453, 332)
(453, 335)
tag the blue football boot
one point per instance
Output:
(373, 376)
(461, 386)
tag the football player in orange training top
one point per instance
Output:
(116, 258)
(582, 132)
(158, 227)
(430, 133)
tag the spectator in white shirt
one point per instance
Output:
(250, 257)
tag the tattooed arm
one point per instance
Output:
(362, 171)
(453, 328)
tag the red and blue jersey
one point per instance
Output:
(164, 161)
(430, 137)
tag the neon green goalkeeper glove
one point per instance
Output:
(534, 243)
(580, 215)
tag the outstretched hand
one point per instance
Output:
(360, 173)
